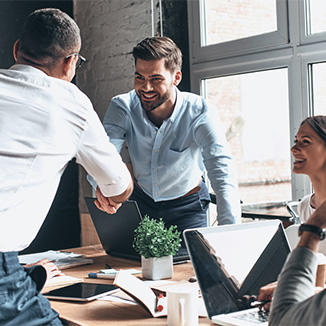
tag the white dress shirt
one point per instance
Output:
(44, 123)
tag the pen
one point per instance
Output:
(102, 275)
(181, 262)
(255, 304)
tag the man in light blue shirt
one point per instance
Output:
(170, 134)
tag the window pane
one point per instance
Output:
(318, 88)
(317, 21)
(226, 20)
(254, 111)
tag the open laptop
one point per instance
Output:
(234, 261)
(116, 231)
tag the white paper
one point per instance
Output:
(62, 279)
(51, 255)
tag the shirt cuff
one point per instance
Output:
(117, 186)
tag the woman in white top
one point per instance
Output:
(309, 152)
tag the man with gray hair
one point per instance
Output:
(45, 121)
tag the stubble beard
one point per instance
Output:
(148, 107)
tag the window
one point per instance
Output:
(251, 17)
(262, 64)
(251, 104)
(229, 28)
(318, 71)
(316, 22)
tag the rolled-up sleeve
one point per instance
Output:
(101, 160)
(209, 135)
(114, 123)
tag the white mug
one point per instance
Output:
(182, 307)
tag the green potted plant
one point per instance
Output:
(156, 244)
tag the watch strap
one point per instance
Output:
(313, 229)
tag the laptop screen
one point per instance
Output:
(116, 231)
(233, 260)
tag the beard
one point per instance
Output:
(153, 104)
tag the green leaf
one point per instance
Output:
(152, 239)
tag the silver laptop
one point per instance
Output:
(231, 263)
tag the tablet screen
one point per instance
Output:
(81, 291)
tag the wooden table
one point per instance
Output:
(100, 312)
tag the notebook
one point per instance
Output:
(116, 231)
(234, 261)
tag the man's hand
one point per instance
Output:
(106, 204)
(266, 293)
(52, 269)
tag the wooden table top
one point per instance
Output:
(100, 312)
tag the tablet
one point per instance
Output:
(81, 291)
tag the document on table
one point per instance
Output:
(62, 279)
(119, 296)
(62, 259)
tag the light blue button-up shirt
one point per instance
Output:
(168, 161)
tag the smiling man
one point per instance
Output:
(170, 134)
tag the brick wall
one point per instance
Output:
(109, 30)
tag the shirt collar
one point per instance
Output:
(177, 106)
(27, 68)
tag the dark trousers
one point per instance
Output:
(20, 300)
(184, 212)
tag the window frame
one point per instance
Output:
(241, 46)
(296, 54)
(306, 38)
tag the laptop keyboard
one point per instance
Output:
(257, 316)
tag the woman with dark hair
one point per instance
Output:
(309, 152)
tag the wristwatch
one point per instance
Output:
(312, 228)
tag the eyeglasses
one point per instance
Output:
(80, 60)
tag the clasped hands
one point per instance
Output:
(106, 204)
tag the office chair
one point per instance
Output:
(286, 220)
(292, 209)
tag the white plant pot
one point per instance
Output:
(156, 268)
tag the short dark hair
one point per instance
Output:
(159, 47)
(49, 34)
(318, 124)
